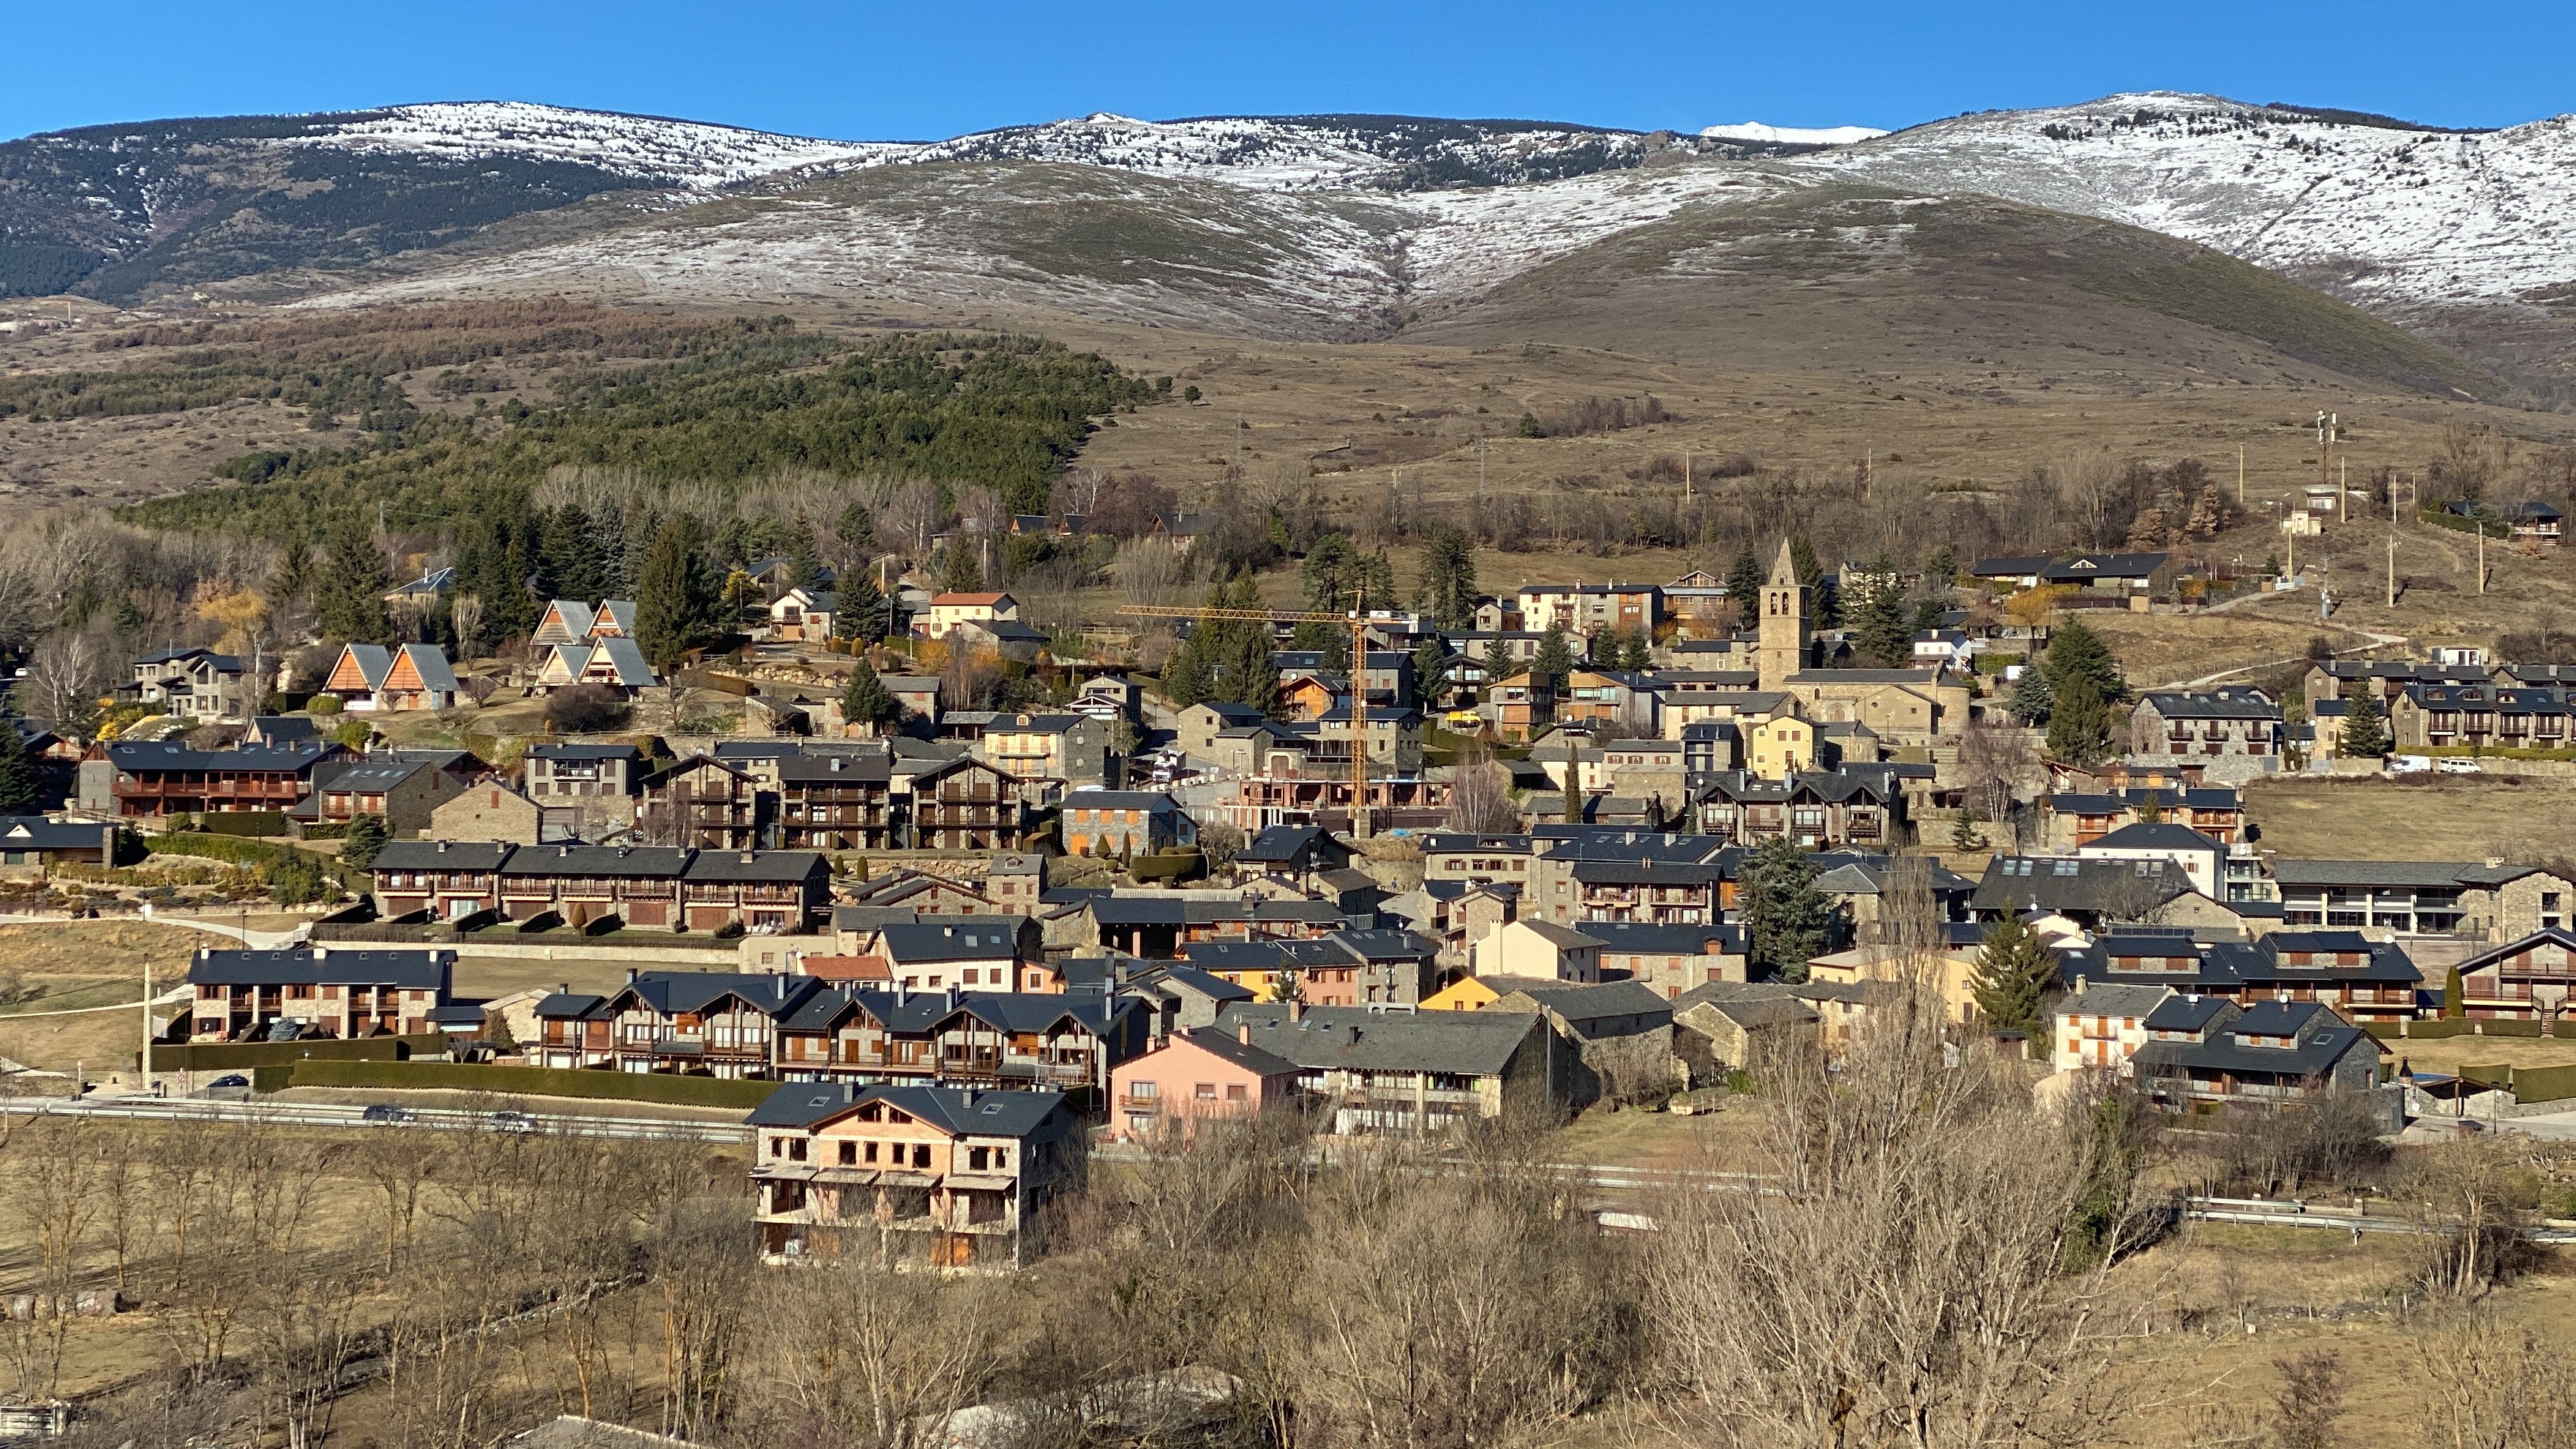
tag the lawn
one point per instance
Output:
(78, 964)
(2445, 817)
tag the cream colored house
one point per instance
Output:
(1539, 948)
(947, 611)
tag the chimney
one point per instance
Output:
(1243, 1032)
(563, 988)
(2079, 986)
(746, 857)
(630, 975)
(1296, 1011)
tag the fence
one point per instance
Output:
(535, 1082)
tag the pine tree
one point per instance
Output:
(1330, 572)
(366, 837)
(2151, 810)
(1785, 917)
(1824, 605)
(2365, 729)
(675, 597)
(2013, 976)
(1744, 584)
(2031, 697)
(865, 699)
(18, 789)
(959, 570)
(1449, 579)
(2076, 649)
(2079, 727)
(861, 614)
(349, 597)
(1882, 630)
(1377, 582)
(1964, 834)
(1555, 658)
(1430, 671)
(804, 566)
(1499, 663)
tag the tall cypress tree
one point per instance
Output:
(1430, 671)
(861, 614)
(2079, 726)
(1499, 664)
(18, 791)
(1744, 584)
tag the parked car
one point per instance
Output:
(387, 1112)
(2409, 764)
(510, 1122)
(234, 1079)
(2457, 767)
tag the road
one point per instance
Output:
(320, 1114)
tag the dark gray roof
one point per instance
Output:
(1280, 845)
(442, 855)
(953, 939)
(955, 1110)
(2420, 874)
(2085, 566)
(572, 1006)
(673, 992)
(35, 832)
(2180, 1013)
(775, 867)
(1356, 1038)
(2159, 835)
(1227, 1046)
(1578, 1002)
(597, 861)
(132, 755)
(2112, 999)
(1666, 938)
(2238, 703)
(2031, 884)
(2319, 1040)
(418, 969)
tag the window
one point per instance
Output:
(1142, 1091)
(872, 1152)
(1205, 1092)
(796, 1150)
(978, 1159)
(921, 1154)
(1001, 1159)
(1235, 1092)
(849, 1154)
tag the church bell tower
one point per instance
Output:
(1783, 647)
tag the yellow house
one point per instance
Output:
(1464, 994)
(1538, 948)
(1951, 974)
(1775, 747)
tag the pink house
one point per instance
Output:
(1194, 1074)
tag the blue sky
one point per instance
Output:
(924, 70)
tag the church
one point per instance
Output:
(1905, 708)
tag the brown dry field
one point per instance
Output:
(2454, 817)
(83, 964)
(2443, 1054)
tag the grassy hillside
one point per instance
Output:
(1849, 278)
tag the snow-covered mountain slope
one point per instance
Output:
(2392, 216)
(647, 148)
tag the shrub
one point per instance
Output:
(322, 704)
(584, 709)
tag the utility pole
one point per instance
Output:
(1686, 462)
(2343, 490)
(1480, 475)
(1239, 426)
(2240, 475)
(2482, 553)
(1868, 473)
(2392, 567)
(147, 1018)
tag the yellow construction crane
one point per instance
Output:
(1357, 623)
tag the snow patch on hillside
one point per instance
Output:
(1792, 135)
(2388, 215)
(676, 153)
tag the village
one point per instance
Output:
(1583, 846)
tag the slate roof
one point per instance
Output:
(132, 756)
(2033, 884)
(465, 855)
(1280, 845)
(957, 1111)
(1354, 1038)
(2316, 1045)
(952, 940)
(1225, 1046)
(35, 832)
(2159, 835)
(585, 752)
(597, 861)
(1664, 938)
(1579, 1003)
(2251, 704)
(772, 867)
(2419, 874)
(2183, 1013)
(301, 966)
(2113, 999)
(804, 769)
(2083, 567)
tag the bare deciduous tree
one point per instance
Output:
(911, 516)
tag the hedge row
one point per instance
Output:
(234, 848)
(535, 1082)
(2507, 1027)
(236, 1056)
(242, 822)
(2449, 1026)
(2544, 1084)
